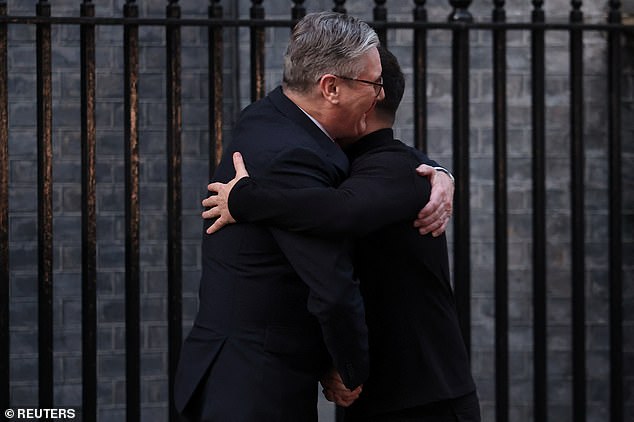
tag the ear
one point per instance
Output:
(329, 87)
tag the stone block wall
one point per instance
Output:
(195, 150)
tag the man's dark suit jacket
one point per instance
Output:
(276, 308)
(417, 354)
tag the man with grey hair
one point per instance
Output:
(277, 309)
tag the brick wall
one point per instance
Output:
(152, 118)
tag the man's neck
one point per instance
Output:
(374, 123)
(311, 105)
(303, 101)
(347, 142)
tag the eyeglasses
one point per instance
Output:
(378, 86)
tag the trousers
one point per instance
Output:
(460, 409)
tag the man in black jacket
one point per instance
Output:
(419, 366)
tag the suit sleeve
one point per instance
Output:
(325, 266)
(378, 192)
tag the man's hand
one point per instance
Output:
(335, 391)
(434, 217)
(218, 204)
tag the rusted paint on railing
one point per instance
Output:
(174, 188)
(461, 24)
(88, 217)
(216, 85)
(132, 213)
(257, 53)
(45, 206)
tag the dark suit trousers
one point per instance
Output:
(460, 409)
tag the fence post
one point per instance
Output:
(340, 6)
(577, 214)
(4, 217)
(501, 217)
(538, 83)
(298, 10)
(132, 212)
(615, 225)
(215, 86)
(257, 52)
(380, 15)
(460, 117)
(88, 217)
(420, 78)
(45, 205)
(174, 239)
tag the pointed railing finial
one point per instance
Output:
(460, 12)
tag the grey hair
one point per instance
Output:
(326, 42)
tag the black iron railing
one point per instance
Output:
(461, 24)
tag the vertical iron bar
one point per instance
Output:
(460, 117)
(420, 78)
(88, 217)
(215, 87)
(539, 215)
(615, 227)
(298, 10)
(501, 218)
(132, 213)
(577, 212)
(174, 240)
(5, 347)
(340, 6)
(380, 15)
(257, 52)
(45, 206)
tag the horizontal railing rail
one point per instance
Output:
(460, 24)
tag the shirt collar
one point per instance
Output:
(317, 123)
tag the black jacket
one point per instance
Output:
(417, 354)
(276, 308)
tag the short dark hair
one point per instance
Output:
(393, 83)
